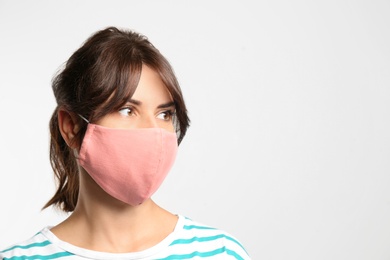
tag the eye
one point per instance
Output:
(166, 115)
(126, 111)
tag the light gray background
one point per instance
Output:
(290, 105)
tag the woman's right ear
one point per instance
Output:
(69, 127)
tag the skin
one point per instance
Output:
(99, 221)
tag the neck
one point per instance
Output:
(102, 223)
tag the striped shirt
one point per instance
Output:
(189, 240)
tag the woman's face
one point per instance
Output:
(151, 106)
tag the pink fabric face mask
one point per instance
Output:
(128, 164)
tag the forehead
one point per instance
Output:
(151, 88)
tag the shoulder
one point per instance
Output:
(209, 240)
(36, 246)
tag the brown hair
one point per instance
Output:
(98, 79)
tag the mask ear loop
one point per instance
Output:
(86, 120)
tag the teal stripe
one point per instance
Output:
(196, 253)
(188, 227)
(205, 239)
(40, 257)
(196, 239)
(41, 244)
(235, 241)
(231, 252)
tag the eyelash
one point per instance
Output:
(169, 113)
(127, 113)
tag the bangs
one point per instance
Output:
(118, 83)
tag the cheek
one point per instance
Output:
(167, 126)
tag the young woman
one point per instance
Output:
(114, 138)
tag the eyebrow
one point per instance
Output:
(165, 105)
